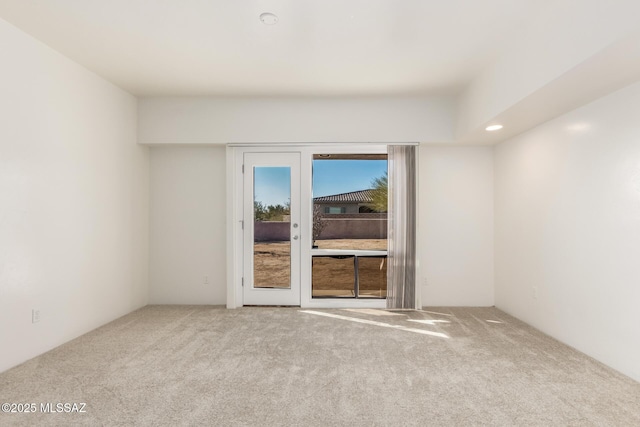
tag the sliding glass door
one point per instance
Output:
(349, 250)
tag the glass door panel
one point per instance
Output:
(271, 219)
(333, 276)
(372, 277)
(272, 227)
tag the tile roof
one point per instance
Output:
(362, 196)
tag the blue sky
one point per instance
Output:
(343, 176)
(272, 185)
(329, 177)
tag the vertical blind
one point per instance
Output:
(401, 269)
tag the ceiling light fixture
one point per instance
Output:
(268, 18)
(493, 128)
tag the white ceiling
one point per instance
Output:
(319, 47)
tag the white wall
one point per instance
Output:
(188, 229)
(193, 120)
(568, 229)
(455, 241)
(73, 200)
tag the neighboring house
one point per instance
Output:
(349, 216)
(354, 202)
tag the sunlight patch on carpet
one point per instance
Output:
(432, 322)
(372, 311)
(375, 323)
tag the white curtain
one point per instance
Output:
(401, 267)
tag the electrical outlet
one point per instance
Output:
(35, 315)
(534, 292)
(206, 280)
(425, 282)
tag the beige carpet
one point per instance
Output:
(186, 365)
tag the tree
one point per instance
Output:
(380, 194)
(261, 212)
(319, 222)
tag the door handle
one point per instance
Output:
(295, 237)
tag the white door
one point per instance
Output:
(271, 221)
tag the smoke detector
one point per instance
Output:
(268, 18)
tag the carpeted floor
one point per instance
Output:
(198, 365)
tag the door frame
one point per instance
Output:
(234, 199)
(235, 210)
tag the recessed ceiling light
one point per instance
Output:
(268, 18)
(579, 127)
(493, 127)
